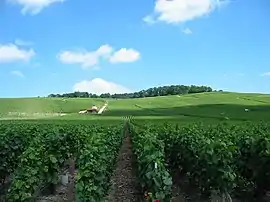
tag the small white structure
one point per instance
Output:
(64, 179)
(94, 107)
(102, 109)
(246, 110)
(82, 111)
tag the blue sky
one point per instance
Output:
(56, 46)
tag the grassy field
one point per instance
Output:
(206, 107)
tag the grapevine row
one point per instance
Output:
(44, 150)
(154, 177)
(40, 164)
(97, 156)
(232, 160)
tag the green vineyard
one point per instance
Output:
(232, 161)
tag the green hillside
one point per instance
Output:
(43, 107)
(191, 107)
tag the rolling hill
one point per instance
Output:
(190, 107)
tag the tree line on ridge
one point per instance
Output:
(151, 92)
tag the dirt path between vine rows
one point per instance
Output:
(124, 183)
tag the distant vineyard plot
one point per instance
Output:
(213, 106)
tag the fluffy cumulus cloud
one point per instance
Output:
(179, 11)
(99, 86)
(125, 55)
(90, 59)
(85, 58)
(17, 73)
(33, 6)
(12, 53)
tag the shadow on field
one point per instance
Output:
(215, 111)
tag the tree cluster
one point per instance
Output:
(151, 92)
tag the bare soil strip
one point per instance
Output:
(124, 184)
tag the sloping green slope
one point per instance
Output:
(28, 107)
(204, 105)
(219, 106)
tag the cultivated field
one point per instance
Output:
(195, 147)
(192, 107)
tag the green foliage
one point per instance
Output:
(151, 92)
(208, 162)
(225, 158)
(41, 162)
(96, 159)
(254, 158)
(36, 152)
(14, 139)
(153, 175)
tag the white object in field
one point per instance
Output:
(64, 179)
(246, 110)
(155, 165)
(82, 112)
(94, 107)
(102, 109)
(63, 114)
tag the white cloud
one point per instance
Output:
(17, 73)
(149, 20)
(266, 74)
(187, 31)
(99, 86)
(179, 11)
(125, 55)
(33, 6)
(20, 42)
(91, 59)
(104, 50)
(85, 58)
(11, 53)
